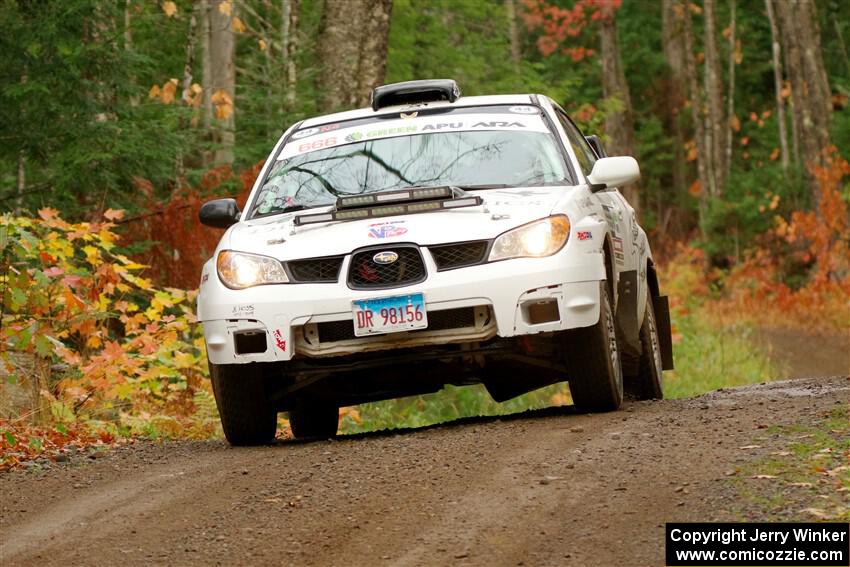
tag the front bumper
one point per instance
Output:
(502, 299)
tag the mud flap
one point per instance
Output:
(628, 330)
(662, 326)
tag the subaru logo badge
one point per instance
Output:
(386, 257)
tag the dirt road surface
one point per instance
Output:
(551, 487)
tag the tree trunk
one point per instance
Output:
(21, 182)
(674, 53)
(810, 95)
(290, 12)
(619, 125)
(372, 67)
(777, 83)
(353, 51)
(186, 85)
(730, 97)
(714, 97)
(683, 12)
(221, 82)
(513, 34)
(128, 43)
(206, 67)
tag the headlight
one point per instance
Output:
(536, 239)
(238, 270)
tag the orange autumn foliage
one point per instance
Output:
(811, 246)
(183, 244)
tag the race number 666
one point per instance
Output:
(318, 144)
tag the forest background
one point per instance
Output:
(118, 118)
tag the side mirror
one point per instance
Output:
(220, 213)
(614, 172)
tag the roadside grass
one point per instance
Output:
(806, 478)
(451, 403)
(707, 357)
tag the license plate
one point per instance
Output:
(389, 314)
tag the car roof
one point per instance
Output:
(459, 103)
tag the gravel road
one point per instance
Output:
(551, 487)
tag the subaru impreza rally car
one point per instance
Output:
(431, 239)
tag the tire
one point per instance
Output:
(313, 419)
(242, 400)
(593, 360)
(648, 384)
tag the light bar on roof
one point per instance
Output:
(388, 210)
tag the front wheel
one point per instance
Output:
(240, 394)
(593, 360)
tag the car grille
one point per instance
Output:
(460, 255)
(460, 318)
(365, 273)
(315, 270)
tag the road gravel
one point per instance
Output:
(550, 487)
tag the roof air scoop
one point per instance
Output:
(412, 92)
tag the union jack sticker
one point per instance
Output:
(584, 235)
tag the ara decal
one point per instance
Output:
(498, 124)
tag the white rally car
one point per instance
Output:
(431, 239)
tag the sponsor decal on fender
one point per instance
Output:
(279, 340)
(386, 230)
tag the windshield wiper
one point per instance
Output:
(484, 186)
(290, 208)
(510, 185)
(286, 209)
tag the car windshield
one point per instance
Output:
(476, 158)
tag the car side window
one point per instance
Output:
(584, 153)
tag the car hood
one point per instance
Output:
(502, 210)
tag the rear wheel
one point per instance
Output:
(593, 360)
(314, 418)
(647, 384)
(242, 400)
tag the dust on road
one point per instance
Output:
(543, 488)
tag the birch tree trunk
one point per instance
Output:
(674, 53)
(715, 131)
(810, 95)
(290, 12)
(619, 125)
(730, 96)
(683, 12)
(186, 86)
(777, 82)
